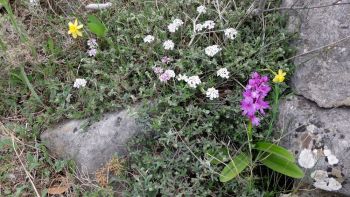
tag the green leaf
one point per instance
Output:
(282, 166)
(217, 156)
(236, 166)
(274, 149)
(96, 26)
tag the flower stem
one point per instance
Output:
(250, 137)
(276, 94)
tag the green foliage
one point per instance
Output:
(234, 167)
(267, 147)
(96, 26)
(282, 166)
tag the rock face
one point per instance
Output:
(92, 146)
(315, 125)
(322, 76)
(325, 132)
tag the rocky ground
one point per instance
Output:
(315, 122)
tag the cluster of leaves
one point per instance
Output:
(186, 128)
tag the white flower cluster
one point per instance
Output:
(79, 83)
(206, 25)
(193, 81)
(231, 33)
(148, 39)
(223, 73)
(201, 9)
(212, 93)
(212, 50)
(174, 26)
(92, 43)
(168, 45)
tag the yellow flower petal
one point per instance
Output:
(74, 35)
(79, 33)
(80, 26)
(70, 24)
(76, 22)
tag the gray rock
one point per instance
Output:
(322, 76)
(304, 125)
(91, 147)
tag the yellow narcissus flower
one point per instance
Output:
(279, 78)
(74, 29)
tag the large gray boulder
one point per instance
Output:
(320, 140)
(92, 146)
(322, 76)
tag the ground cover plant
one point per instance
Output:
(193, 60)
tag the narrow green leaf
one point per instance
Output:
(29, 85)
(96, 26)
(236, 166)
(217, 156)
(274, 149)
(282, 166)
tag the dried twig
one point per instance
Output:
(23, 166)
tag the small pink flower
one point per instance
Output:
(164, 77)
(92, 52)
(166, 60)
(158, 70)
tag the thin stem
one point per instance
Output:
(250, 136)
(276, 93)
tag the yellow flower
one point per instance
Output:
(279, 78)
(74, 29)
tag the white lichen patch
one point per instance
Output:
(322, 181)
(319, 175)
(332, 159)
(328, 184)
(306, 159)
(311, 128)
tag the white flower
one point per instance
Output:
(212, 93)
(231, 33)
(199, 27)
(92, 43)
(168, 45)
(148, 39)
(79, 83)
(212, 50)
(306, 159)
(182, 77)
(92, 52)
(172, 27)
(201, 9)
(178, 22)
(223, 73)
(171, 73)
(209, 24)
(193, 81)
(327, 152)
